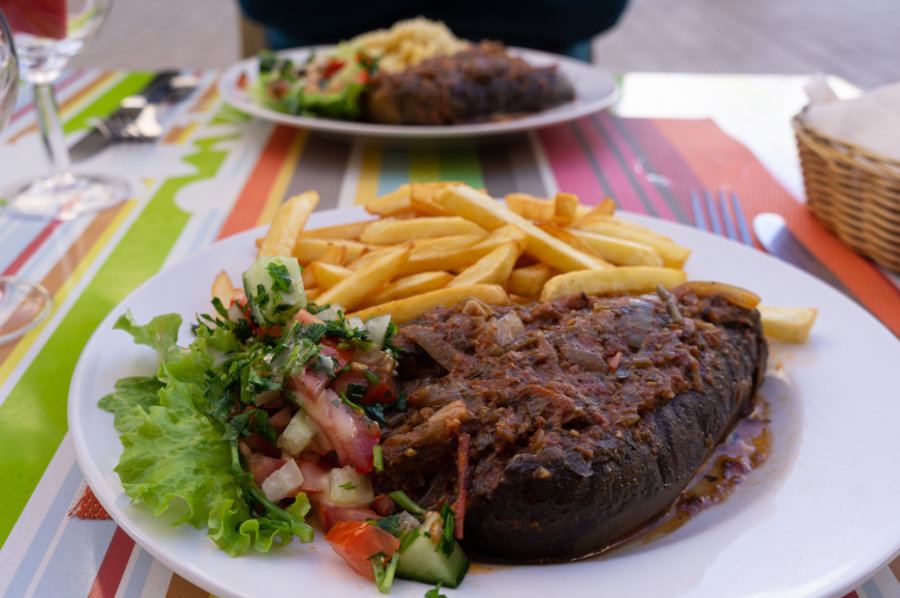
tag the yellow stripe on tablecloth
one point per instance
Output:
(424, 166)
(178, 135)
(283, 178)
(369, 169)
(7, 367)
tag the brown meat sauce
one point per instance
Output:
(570, 379)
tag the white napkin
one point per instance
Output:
(871, 121)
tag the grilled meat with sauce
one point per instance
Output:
(480, 83)
(558, 428)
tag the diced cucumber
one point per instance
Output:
(297, 435)
(422, 559)
(347, 487)
(331, 313)
(377, 328)
(355, 322)
(274, 288)
(282, 482)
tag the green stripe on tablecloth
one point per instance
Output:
(462, 165)
(109, 101)
(33, 417)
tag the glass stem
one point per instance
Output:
(51, 126)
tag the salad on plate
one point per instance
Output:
(274, 411)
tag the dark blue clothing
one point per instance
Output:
(559, 26)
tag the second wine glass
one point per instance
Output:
(24, 303)
(47, 35)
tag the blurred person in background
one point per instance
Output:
(559, 26)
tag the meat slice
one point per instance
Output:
(480, 83)
(582, 427)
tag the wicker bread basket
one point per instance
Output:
(853, 192)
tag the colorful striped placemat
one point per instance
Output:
(217, 172)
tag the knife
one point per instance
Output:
(778, 240)
(164, 87)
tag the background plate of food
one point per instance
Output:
(417, 81)
(818, 516)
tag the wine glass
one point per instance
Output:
(23, 303)
(48, 33)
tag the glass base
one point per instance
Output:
(23, 304)
(65, 195)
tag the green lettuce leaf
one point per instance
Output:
(161, 333)
(174, 457)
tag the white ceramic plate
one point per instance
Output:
(595, 90)
(819, 516)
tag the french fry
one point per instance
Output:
(436, 247)
(388, 231)
(289, 220)
(493, 268)
(414, 284)
(422, 197)
(349, 231)
(327, 275)
(395, 202)
(222, 289)
(569, 239)
(565, 208)
(309, 279)
(618, 251)
(529, 280)
(352, 290)
(791, 324)
(336, 255)
(528, 206)
(736, 295)
(490, 214)
(607, 207)
(308, 250)
(431, 258)
(673, 256)
(626, 279)
(404, 310)
(312, 294)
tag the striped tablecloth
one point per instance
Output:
(217, 172)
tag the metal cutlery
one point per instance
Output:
(723, 216)
(778, 240)
(136, 117)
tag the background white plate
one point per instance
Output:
(595, 90)
(819, 516)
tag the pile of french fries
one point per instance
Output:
(434, 244)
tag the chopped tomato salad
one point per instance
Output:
(275, 411)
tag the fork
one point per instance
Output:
(130, 123)
(726, 218)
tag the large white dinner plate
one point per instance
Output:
(819, 516)
(595, 90)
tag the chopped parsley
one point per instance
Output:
(281, 278)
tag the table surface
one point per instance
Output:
(217, 172)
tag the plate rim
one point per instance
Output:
(854, 574)
(228, 89)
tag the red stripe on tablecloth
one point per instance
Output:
(252, 199)
(851, 595)
(632, 166)
(113, 566)
(570, 165)
(608, 161)
(31, 248)
(671, 175)
(721, 162)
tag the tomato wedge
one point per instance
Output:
(357, 541)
